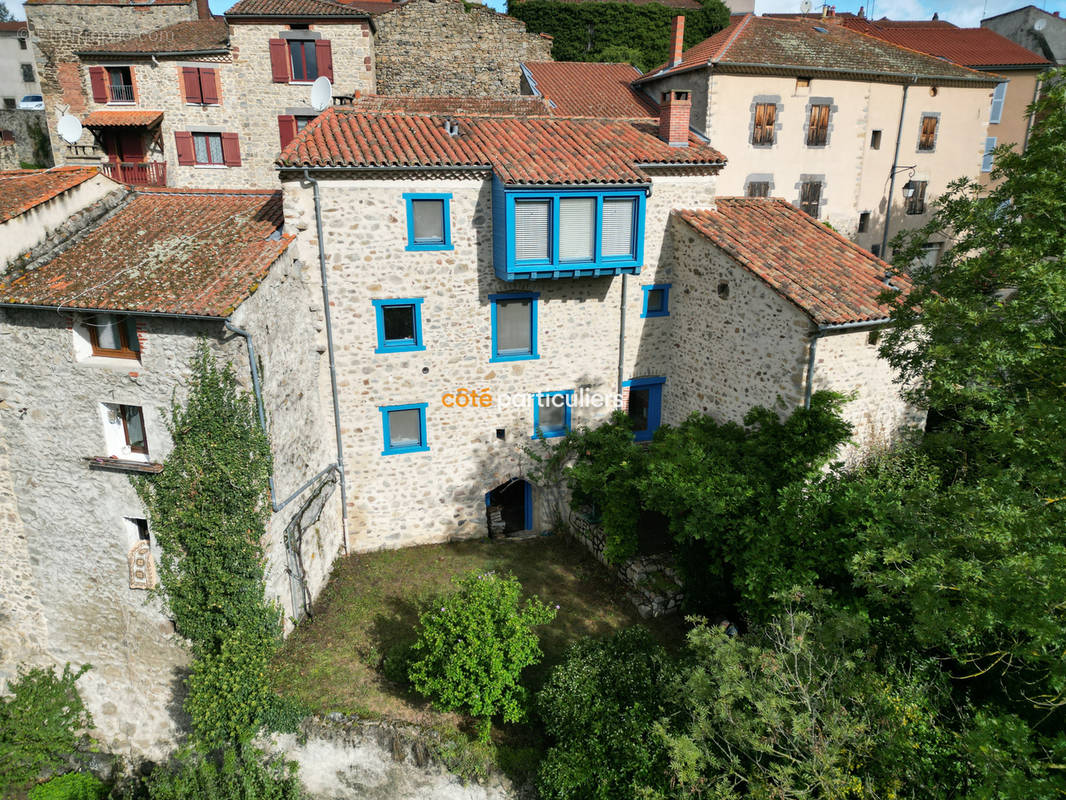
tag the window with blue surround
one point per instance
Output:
(399, 324)
(551, 414)
(514, 326)
(656, 300)
(567, 233)
(429, 224)
(645, 408)
(404, 428)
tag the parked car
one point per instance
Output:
(32, 102)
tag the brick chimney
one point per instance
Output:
(674, 112)
(677, 40)
(202, 9)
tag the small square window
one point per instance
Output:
(399, 325)
(758, 189)
(404, 428)
(514, 327)
(656, 300)
(551, 414)
(428, 224)
(27, 73)
(112, 336)
(9, 103)
(875, 140)
(124, 432)
(864, 221)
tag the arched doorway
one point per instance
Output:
(510, 508)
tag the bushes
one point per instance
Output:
(241, 773)
(600, 706)
(473, 645)
(72, 786)
(40, 724)
(639, 34)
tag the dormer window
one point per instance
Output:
(568, 233)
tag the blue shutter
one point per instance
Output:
(997, 103)
(986, 162)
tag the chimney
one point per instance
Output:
(862, 12)
(674, 113)
(202, 9)
(677, 40)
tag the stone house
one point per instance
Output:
(857, 131)
(210, 101)
(498, 280)
(98, 323)
(983, 50)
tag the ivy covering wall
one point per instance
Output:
(639, 34)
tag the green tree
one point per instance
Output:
(209, 507)
(5, 13)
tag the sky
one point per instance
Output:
(964, 13)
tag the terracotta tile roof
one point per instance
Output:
(375, 7)
(13, 26)
(771, 45)
(190, 36)
(520, 150)
(670, 3)
(22, 189)
(518, 106)
(294, 8)
(169, 251)
(106, 3)
(972, 47)
(587, 89)
(121, 119)
(830, 278)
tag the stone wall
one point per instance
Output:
(9, 155)
(59, 31)
(69, 561)
(21, 123)
(448, 47)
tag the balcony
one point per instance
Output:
(121, 93)
(147, 173)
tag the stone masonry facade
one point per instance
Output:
(449, 47)
(67, 530)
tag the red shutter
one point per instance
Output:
(279, 61)
(209, 86)
(183, 144)
(287, 128)
(190, 78)
(231, 151)
(98, 79)
(324, 56)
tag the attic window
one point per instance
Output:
(820, 29)
(113, 337)
(803, 83)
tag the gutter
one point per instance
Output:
(827, 330)
(332, 357)
(892, 177)
(257, 390)
(154, 53)
(384, 168)
(71, 309)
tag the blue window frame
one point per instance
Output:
(567, 233)
(404, 428)
(656, 300)
(551, 414)
(645, 406)
(399, 324)
(429, 225)
(514, 326)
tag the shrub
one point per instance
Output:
(40, 724)
(473, 645)
(599, 706)
(72, 786)
(242, 773)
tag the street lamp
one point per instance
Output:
(908, 190)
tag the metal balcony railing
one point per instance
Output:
(121, 93)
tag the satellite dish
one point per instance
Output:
(805, 7)
(69, 128)
(321, 93)
(1039, 25)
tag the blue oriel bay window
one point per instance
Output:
(399, 325)
(567, 233)
(404, 428)
(645, 407)
(429, 224)
(551, 414)
(514, 326)
(656, 300)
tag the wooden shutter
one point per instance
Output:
(768, 123)
(190, 79)
(183, 144)
(760, 121)
(209, 86)
(279, 61)
(231, 151)
(818, 128)
(286, 128)
(98, 80)
(928, 139)
(324, 57)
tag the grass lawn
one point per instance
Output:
(334, 662)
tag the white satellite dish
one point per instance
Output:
(805, 7)
(1039, 25)
(69, 128)
(321, 94)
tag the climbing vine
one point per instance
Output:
(208, 510)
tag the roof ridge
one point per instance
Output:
(729, 42)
